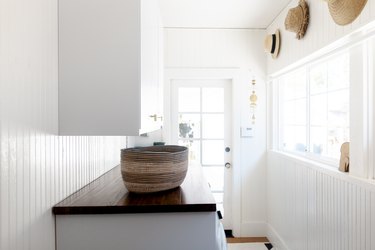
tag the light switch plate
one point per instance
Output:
(247, 131)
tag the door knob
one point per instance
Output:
(228, 165)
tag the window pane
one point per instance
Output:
(338, 108)
(318, 78)
(318, 140)
(213, 126)
(294, 85)
(213, 99)
(189, 100)
(318, 110)
(294, 112)
(336, 137)
(213, 152)
(294, 138)
(215, 177)
(194, 150)
(338, 72)
(189, 126)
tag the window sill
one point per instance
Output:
(325, 168)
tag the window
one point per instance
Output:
(314, 108)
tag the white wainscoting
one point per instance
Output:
(37, 168)
(321, 32)
(312, 207)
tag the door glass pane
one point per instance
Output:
(189, 100)
(212, 152)
(194, 150)
(189, 126)
(215, 177)
(213, 126)
(213, 99)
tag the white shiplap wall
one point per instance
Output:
(314, 208)
(321, 32)
(37, 168)
(310, 207)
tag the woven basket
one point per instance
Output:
(154, 169)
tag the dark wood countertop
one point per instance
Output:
(108, 195)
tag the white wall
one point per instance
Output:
(145, 140)
(37, 168)
(321, 32)
(310, 207)
(214, 49)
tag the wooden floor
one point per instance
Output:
(248, 240)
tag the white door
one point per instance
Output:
(201, 120)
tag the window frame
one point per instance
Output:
(362, 150)
(306, 68)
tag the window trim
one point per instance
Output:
(364, 35)
(333, 162)
(362, 138)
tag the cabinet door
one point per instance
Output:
(99, 67)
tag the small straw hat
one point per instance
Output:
(297, 19)
(272, 44)
(345, 12)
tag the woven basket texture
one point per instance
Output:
(154, 169)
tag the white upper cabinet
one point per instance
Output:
(151, 61)
(110, 61)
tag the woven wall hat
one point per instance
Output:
(272, 44)
(297, 19)
(345, 12)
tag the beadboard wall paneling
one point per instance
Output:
(37, 168)
(312, 208)
(215, 48)
(321, 32)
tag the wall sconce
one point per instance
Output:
(253, 101)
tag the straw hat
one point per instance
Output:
(272, 44)
(297, 19)
(345, 12)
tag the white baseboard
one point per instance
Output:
(275, 239)
(253, 229)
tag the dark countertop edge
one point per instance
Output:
(134, 209)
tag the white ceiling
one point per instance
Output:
(220, 13)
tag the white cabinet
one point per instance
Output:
(109, 67)
(151, 65)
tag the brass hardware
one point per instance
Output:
(156, 117)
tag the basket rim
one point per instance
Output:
(147, 150)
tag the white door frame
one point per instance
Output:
(232, 74)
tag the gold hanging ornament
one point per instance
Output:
(253, 101)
